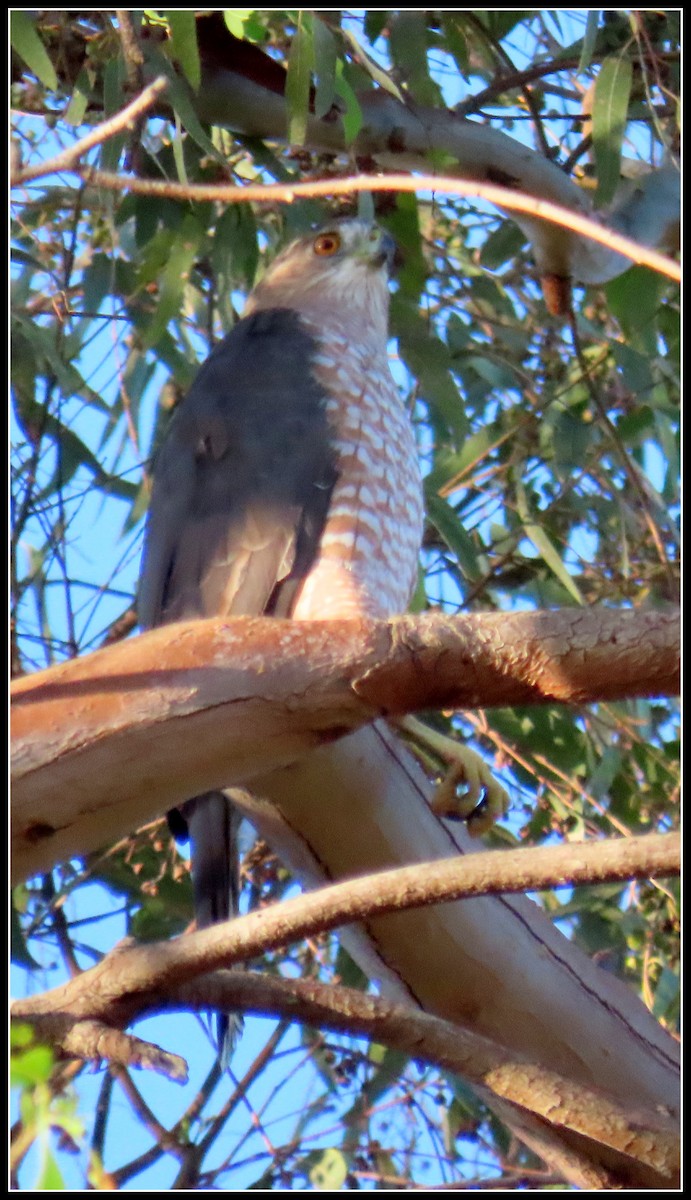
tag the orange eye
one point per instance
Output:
(327, 244)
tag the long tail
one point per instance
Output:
(213, 823)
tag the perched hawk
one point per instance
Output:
(288, 483)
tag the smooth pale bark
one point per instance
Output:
(496, 964)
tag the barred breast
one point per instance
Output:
(368, 554)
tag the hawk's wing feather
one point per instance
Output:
(240, 497)
(243, 479)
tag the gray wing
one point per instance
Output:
(241, 490)
(242, 481)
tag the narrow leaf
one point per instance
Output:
(300, 66)
(324, 66)
(183, 37)
(376, 73)
(610, 109)
(589, 38)
(456, 40)
(450, 529)
(545, 547)
(174, 278)
(352, 117)
(181, 103)
(28, 45)
(408, 45)
(80, 99)
(111, 149)
(235, 20)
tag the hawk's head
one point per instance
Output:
(339, 273)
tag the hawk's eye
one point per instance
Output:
(327, 244)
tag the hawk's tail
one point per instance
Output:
(213, 823)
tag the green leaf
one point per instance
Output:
(389, 1065)
(610, 110)
(500, 22)
(235, 19)
(35, 353)
(173, 279)
(589, 39)
(450, 466)
(634, 298)
(113, 79)
(569, 437)
(179, 152)
(234, 250)
(635, 369)
(50, 1178)
(97, 282)
(324, 67)
(349, 973)
(604, 774)
(183, 42)
(80, 99)
(299, 79)
(456, 40)
(330, 1171)
(502, 245)
(31, 1063)
(544, 546)
(408, 46)
(448, 525)
(27, 44)
(404, 226)
(375, 22)
(352, 117)
(375, 72)
(666, 995)
(429, 361)
(181, 103)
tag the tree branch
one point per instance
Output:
(96, 741)
(130, 982)
(535, 209)
(68, 159)
(114, 990)
(493, 1069)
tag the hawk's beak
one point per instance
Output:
(388, 253)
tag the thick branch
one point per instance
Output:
(97, 745)
(114, 990)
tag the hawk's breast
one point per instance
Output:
(368, 553)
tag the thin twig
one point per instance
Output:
(68, 160)
(516, 79)
(280, 193)
(134, 63)
(495, 44)
(131, 52)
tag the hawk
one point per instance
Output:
(288, 483)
